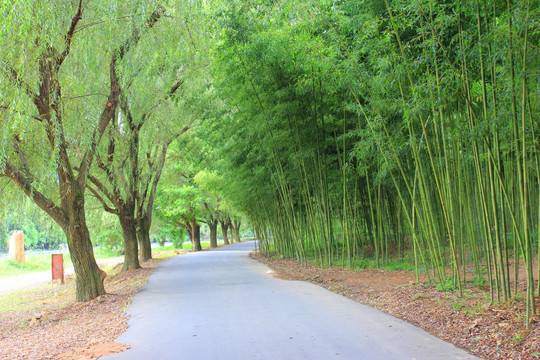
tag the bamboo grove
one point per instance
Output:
(387, 131)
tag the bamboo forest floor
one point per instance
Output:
(491, 331)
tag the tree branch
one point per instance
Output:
(182, 225)
(96, 194)
(39, 199)
(110, 178)
(157, 171)
(101, 187)
(18, 151)
(111, 148)
(112, 101)
(170, 93)
(123, 177)
(174, 88)
(68, 98)
(69, 36)
(135, 37)
(106, 116)
(7, 107)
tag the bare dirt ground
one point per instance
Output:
(47, 323)
(491, 331)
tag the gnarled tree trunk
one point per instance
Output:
(190, 233)
(71, 179)
(89, 277)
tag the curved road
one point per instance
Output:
(222, 304)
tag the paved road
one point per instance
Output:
(223, 305)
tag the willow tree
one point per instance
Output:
(52, 121)
(153, 115)
(129, 179)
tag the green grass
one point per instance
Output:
(421, 296)
(188, 245)
(33, 263)
(363, 263)
(163, 248)
(103, 253)
(396, 265)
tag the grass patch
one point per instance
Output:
(33, 263)
(163, 249)
(37, 263)
(164, 255)
(446, 286)
(421, 296)
(22, 300)
(398, 266)
(364, 263)
(189, 245)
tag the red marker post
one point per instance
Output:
(58, 267)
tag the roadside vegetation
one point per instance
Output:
(33, 263)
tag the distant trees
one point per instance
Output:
(40, 231)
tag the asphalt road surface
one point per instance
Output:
(223, 305)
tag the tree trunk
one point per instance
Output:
(213, 234)
(224, 229)
(235, 230)
(129, 230)
(89, 277)
(190, 231)
(233, 234)
(144, 238)
(196, 239)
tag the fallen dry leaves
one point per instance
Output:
(491, 331)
